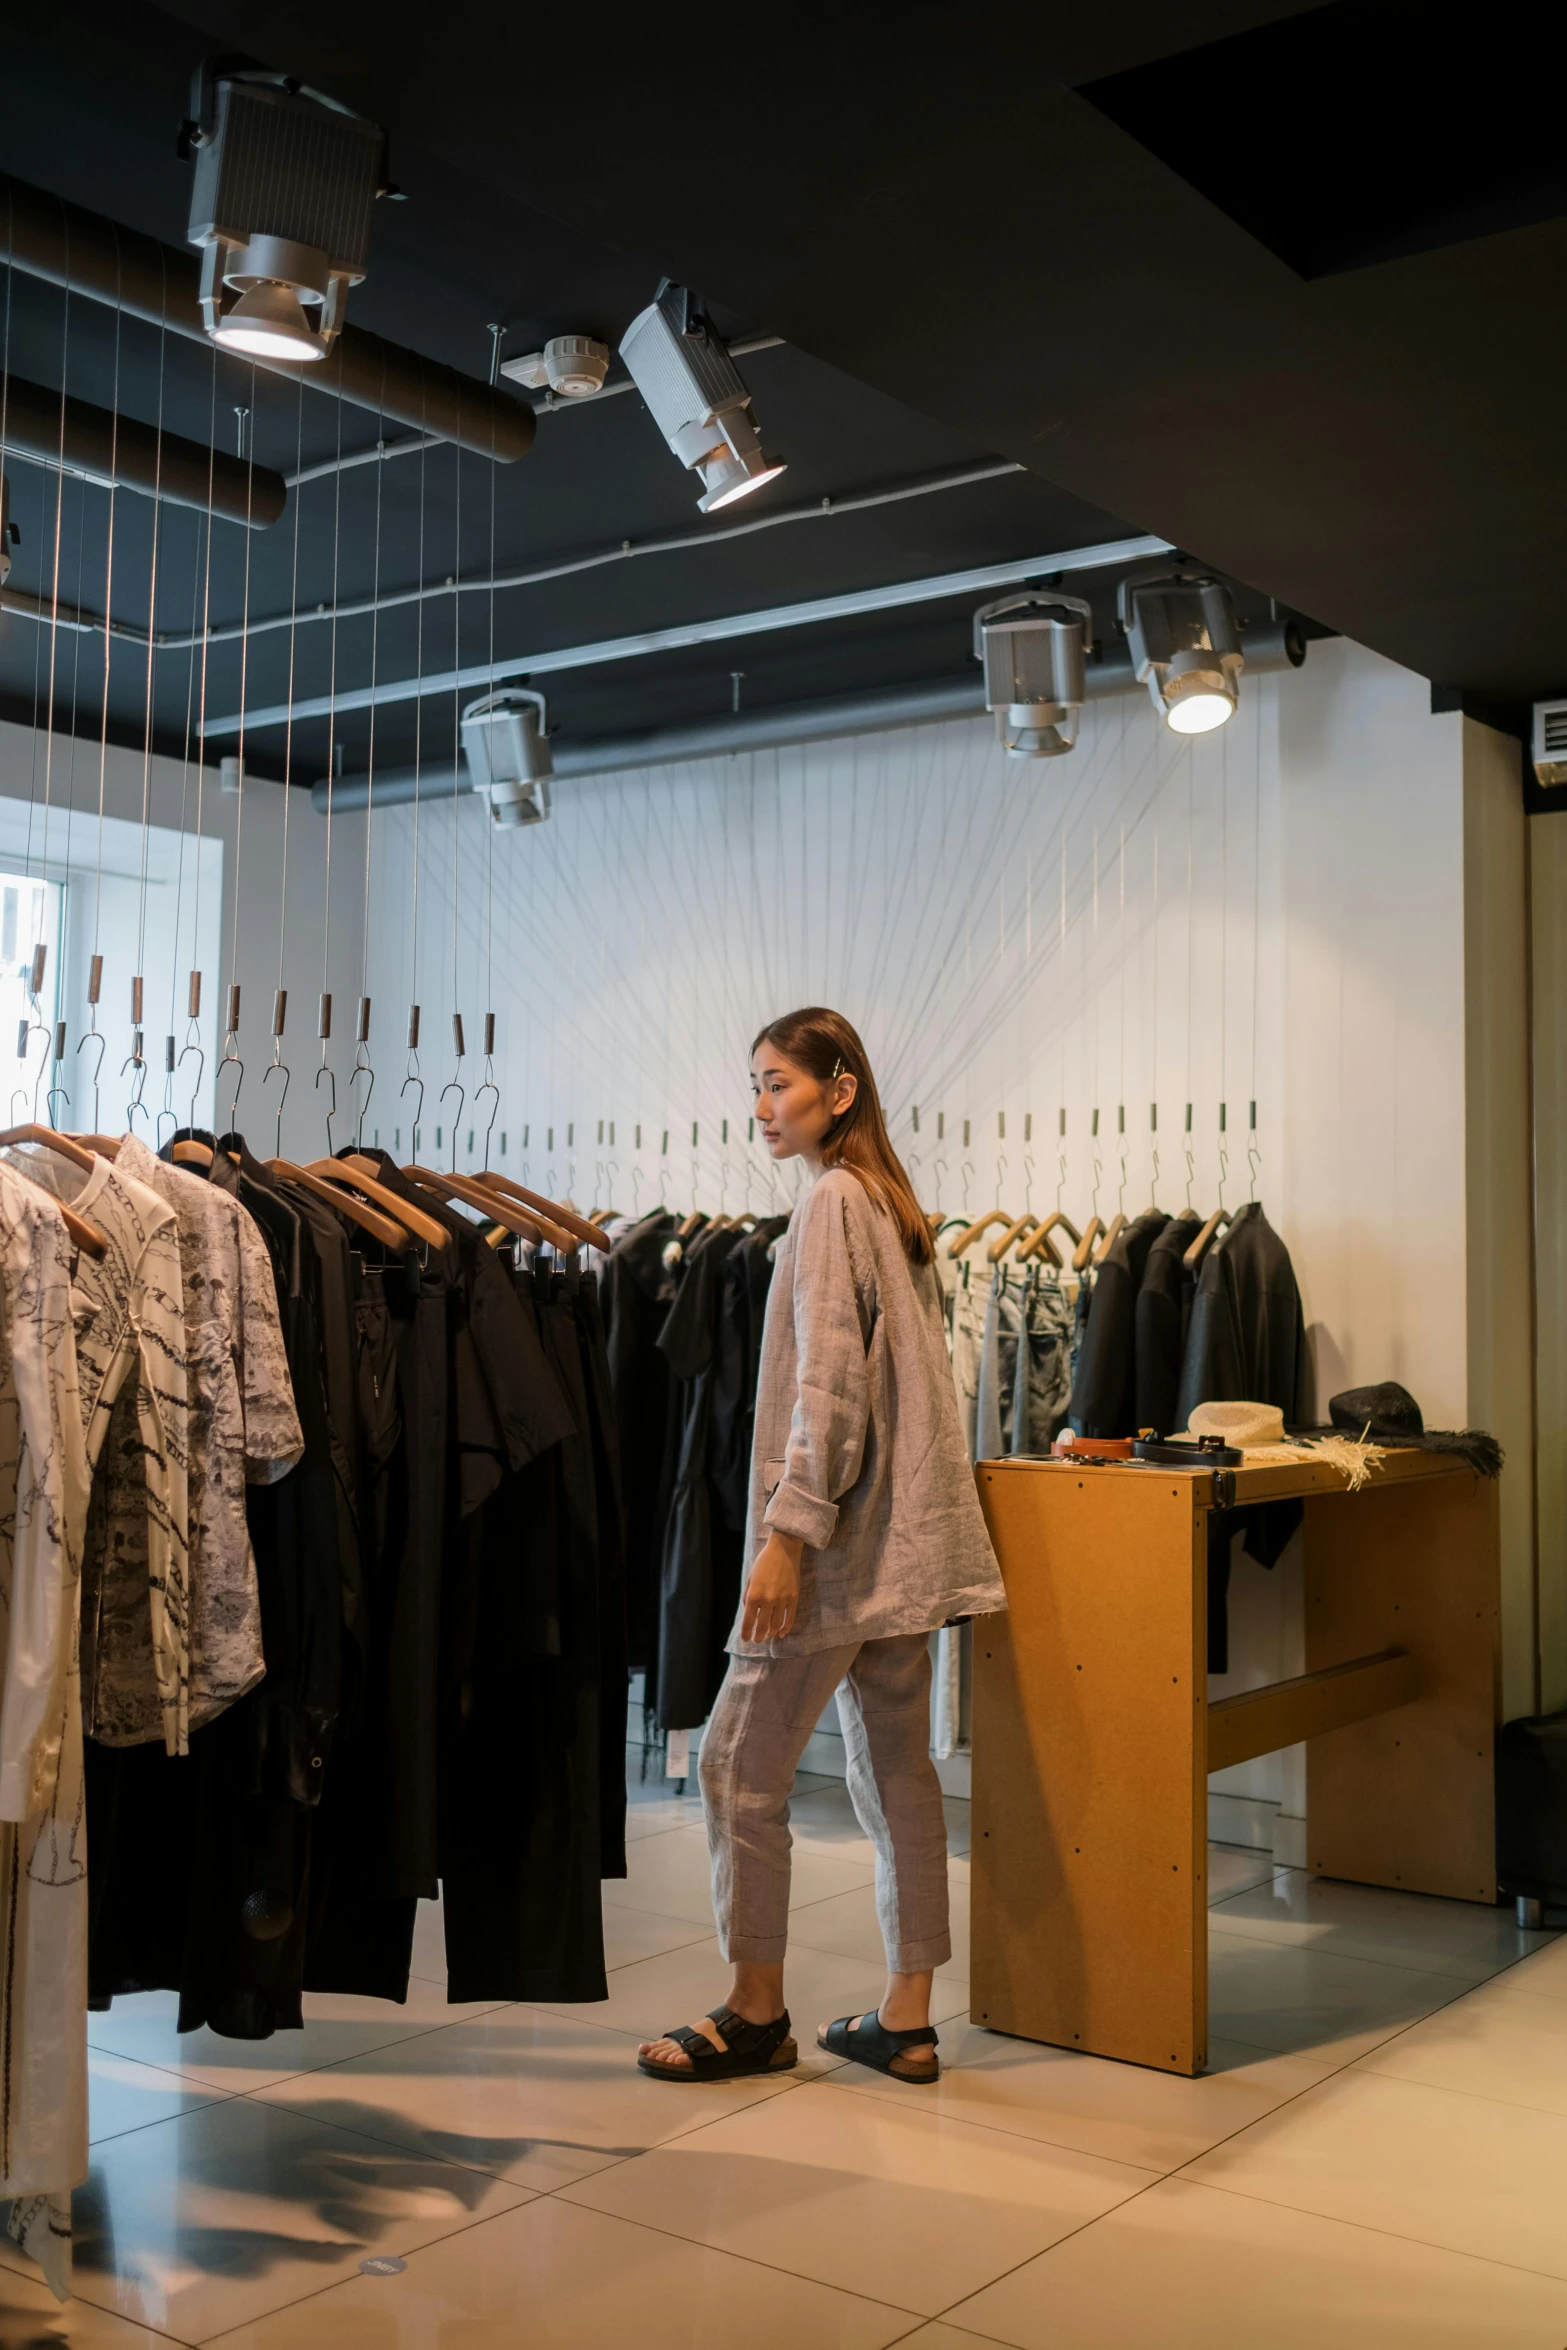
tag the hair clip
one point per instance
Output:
(837, 1070)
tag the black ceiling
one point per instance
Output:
(1287, 297)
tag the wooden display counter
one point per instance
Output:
(1093, 1735)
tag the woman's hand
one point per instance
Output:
(772, 1596)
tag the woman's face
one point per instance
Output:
(794, 1110)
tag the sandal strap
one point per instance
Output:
(871, 2033)
(696, 2044)
(748, 2039)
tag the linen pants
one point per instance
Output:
(766, 1710)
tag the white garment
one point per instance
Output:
(44, 1480)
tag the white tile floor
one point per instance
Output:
(1377, 2157)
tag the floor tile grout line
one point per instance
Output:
(1388, 2235)
(1324, 1950)
(1446, 2089)
(1139, 2192)
(423, 2033)
(742, 2259)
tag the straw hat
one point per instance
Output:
(1244, 1424)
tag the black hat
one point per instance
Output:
(1389, 1414)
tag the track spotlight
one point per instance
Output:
(695, 396)
(1185, 647)
(1034, 648)
(286, 184)
(508, 753)
(268, 322)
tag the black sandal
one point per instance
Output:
(747, 2049)
(870, 2042)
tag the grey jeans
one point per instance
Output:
(766, 1710)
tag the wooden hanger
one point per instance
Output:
(1085, 1247)
(1113, 1232)
(577, 1225)
(1199, 1248)
(368, 1219)
(601, 1216)
(1039, 1243)
(191, 1153)
(352, 1175)
(971, 1232)
(522, 1221)
(84, 1235)
(998, 1248)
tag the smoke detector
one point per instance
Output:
(508, 754)
(571, 366)
(285, 187)
(1550, 742)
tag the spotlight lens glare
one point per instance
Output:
(259, 341)
(1199, 713)
(743, 488)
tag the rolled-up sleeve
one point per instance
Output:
(832, 1405)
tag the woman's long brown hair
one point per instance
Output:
(823, 1044)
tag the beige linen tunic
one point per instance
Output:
(857, 1447)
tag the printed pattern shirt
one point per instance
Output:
(44, 1475)
(242, 1429)
(131, 1363)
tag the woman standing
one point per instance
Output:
(864, 1534)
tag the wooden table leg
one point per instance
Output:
(1408, 1799)
(1089, 1863)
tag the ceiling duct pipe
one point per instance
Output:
(67, 246)
(1272, 645)
(122, 453)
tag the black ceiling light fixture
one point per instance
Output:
(1185, 645)
(1034, 649)
(285, 189)
(696, 397)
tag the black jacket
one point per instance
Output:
(1247, 1341)
(1104, 1386)
(1164, 1305)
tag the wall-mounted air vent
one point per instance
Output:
(1550, 742)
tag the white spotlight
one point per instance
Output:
(573, 367)
(696, 397)
(1034, 648)
(1185, 647)
(285, 187)
(268, 322)
(509, 755)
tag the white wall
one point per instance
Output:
(49, 796)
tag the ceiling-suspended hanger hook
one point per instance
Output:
(1028, 1186)
(330, 1074)
(18, 1094)
(57, 1093)
(93, 1036)
(1120, 1197)
(362, 1068)
(1098, 1178)
(454, 1085)
(1001, 1175)
(966, 1171)
(1253, 1161)
(1224, 1171)
(134, 1060)
(636, 1186)
(200, 1052)
(489, 1086)
(273, 1067)
(938, 1169)
(413, 1078)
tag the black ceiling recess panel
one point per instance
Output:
(1354, 134)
